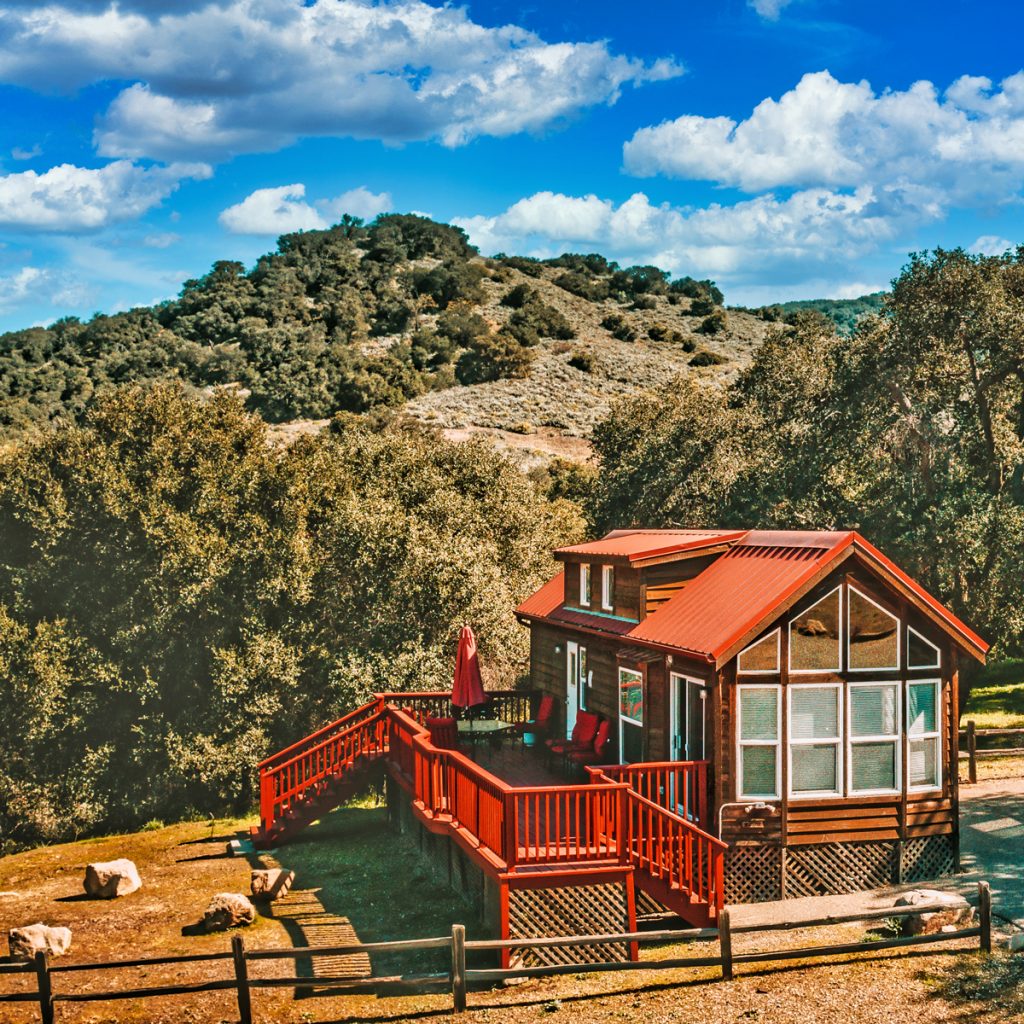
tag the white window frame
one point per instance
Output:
(608, 588)
(927, 642)
(839, 644)
(849, 634)
(836, 742)
(935, 734)
(777, 633)
(854, 741)
(586, 590)
(742, 797)
(623, 721)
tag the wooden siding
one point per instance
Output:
(661, 582)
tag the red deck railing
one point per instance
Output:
(647, 815)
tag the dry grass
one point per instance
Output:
(352, 868)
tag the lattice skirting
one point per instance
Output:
(836, 868)
(569, 910)
(753, 874)
(928, 857)
(647, 905)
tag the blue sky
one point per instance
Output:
(786, 149)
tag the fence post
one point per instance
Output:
(44, 986)
(972, 751)
(242, 977)
(725, 941)
(459, 967)
(985, 916)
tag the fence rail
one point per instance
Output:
(460, 976)
(972, 755)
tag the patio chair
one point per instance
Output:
(583, 734)
(539, 726)
(444, 733)
(598, 752)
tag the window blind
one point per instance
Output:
(759, 713)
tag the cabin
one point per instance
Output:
(777, 718)
(816, 679)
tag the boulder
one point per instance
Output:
(271, 883)
(956, 916)
(107, 880)
(30, 939)
(1016, 943)
(228, 910)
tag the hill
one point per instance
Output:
(402, 312)
(844, 313)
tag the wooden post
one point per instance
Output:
(459, 967)
(45, 989)
(972, 751)
(985, 916)
(242, 977)
(725, 941)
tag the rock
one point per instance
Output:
(228, 910)
(1016, 943)
(956, 916)
(30, 939)
(110, 879)
(271, 883)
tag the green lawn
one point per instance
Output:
(997, 699)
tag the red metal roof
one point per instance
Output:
(738, 593)
(639, 544)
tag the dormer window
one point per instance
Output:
(585, 584)
(607, 588)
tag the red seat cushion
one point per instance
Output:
(444, 733)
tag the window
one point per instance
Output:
(921, 653)
(631, 715)
(585, 584)
(584, 677)
(761, 656)
(873, 634)
(874, 733)
(924, 726)
(608, 587)
(814, 637)
(815, 731)
(759, 712)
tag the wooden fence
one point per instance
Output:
(49, 991)
(972, 754)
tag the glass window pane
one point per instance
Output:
(814, 713)
(759, 713)
(873, 710)
(814, 637)
(762, 656)
(874, 766)
(585, 583)
(921, 708)
(923, 763)
(815, 768)
(632, 744)
(758, 771)
(874, 634)
(921, 653)
(631, 695)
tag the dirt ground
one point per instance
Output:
(352, 864)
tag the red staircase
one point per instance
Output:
(306, 780)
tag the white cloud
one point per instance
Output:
(67, 198)
(26, 153)
(277, 211)
(990, 245)
(965, 146)
(16, 287)
(253, 75)
(770, 9)
(161, 240)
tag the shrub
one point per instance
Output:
(706, 358)
(461, 324)
(658, 332)
(715, 323)
(524, 264)
(536, 319)
(701, 307)
(594, 289)
(516, 298)
(618, 327)
(582, 361)
(491, 357)
(644, 302)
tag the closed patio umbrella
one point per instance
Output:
(467, 690)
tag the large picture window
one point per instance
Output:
(924, 728)
(921, 653)
(631, 716)
(759, 727)
(874, 731)
(874, 634)
(761, 657)
(815, 740)
(814, 637)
